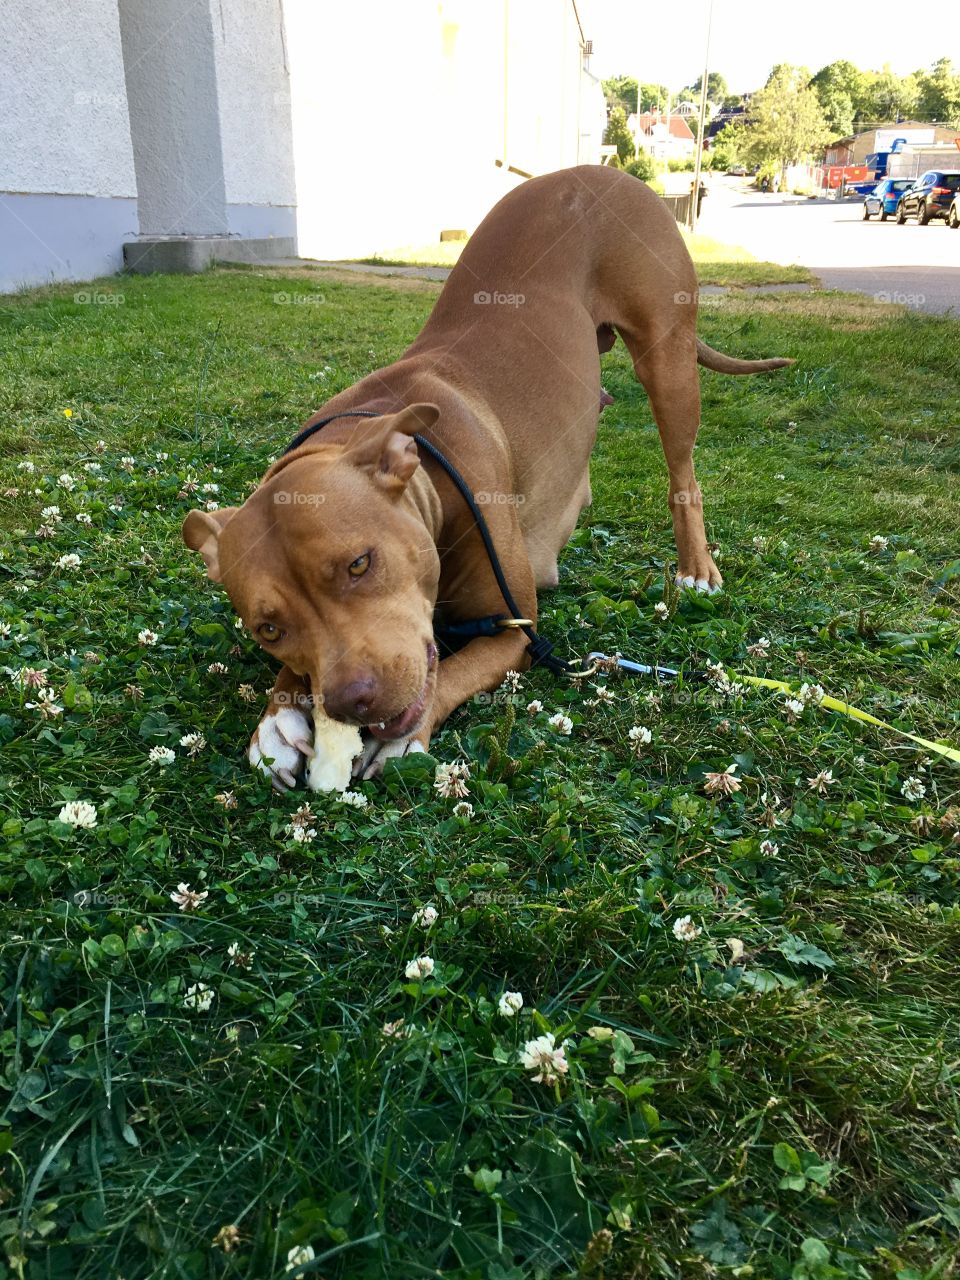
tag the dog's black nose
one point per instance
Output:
(354, 700)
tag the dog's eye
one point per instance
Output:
(269, 631)
(360, 566)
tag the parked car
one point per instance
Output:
(929, 197)
(883, 199)
(953, 217)
(737, 171)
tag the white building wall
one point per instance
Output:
(254, 105)
(412, 124)
(67, 186)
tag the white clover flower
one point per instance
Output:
(684, 930)
(70, 561)
(879, 543)
(78, 813)
(723, 784)
(67, 482)
(822, 782)
(298, 1255)
(198, 998)
(162, 756)
(769, 849)
(561, 724)
(300, 833)
(510, 1004)
(5, 629)
(545, 1059)
(450, 780)
(128, 463)
(394, 1030)
(147, 637)
(84, 517)
(161, 457)
(535, 707)
(210, 488)
(425, 917)
(793, 709)
(92, 468)
(237, 956)
(193, 742)
(100, 446)
(50, 513)
(913, 789)
(463, 809)
(217, 669)
(188, 899)
(419, 969)
(640, 736)
(812, 693)
(356, 799)
(27, 466)
(760, 648)
(661, 610)
(46, 703)
(511, 681)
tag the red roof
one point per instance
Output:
(678, 126)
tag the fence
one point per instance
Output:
(679, 206)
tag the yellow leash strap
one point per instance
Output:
(844, 709)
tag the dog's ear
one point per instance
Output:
(389, 451)
(201, 532)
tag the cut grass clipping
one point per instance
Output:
(658, 982)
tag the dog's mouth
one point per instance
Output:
(404, 723)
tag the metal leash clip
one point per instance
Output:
(604, 661)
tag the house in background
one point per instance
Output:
(250, 131)
(664, 136)
(855, 148)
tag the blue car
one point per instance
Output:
(883, 199)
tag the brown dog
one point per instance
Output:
(339, 560)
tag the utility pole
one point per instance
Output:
(695, 193)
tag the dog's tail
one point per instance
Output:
(720, 363)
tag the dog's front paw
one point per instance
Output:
(281, 743)
(375, 754)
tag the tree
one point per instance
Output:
(841, 88)
(653, 96)
(787, 123)
(888, 97)
(939, 93)
(717, 89)
(619, 135)
(729, 146)
(621, 91)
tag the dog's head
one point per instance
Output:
(334, 572)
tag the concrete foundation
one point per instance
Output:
(183, 255)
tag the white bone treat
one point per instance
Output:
(335, 747)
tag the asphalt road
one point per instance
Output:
(916, 266)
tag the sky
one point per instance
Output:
(664, 43)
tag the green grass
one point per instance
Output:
(717, 263)
(792, 1113)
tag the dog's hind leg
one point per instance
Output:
(668, 370)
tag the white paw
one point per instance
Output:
(281, 742)
(375, 754)
(684, 581)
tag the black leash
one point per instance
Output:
(539, 647)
